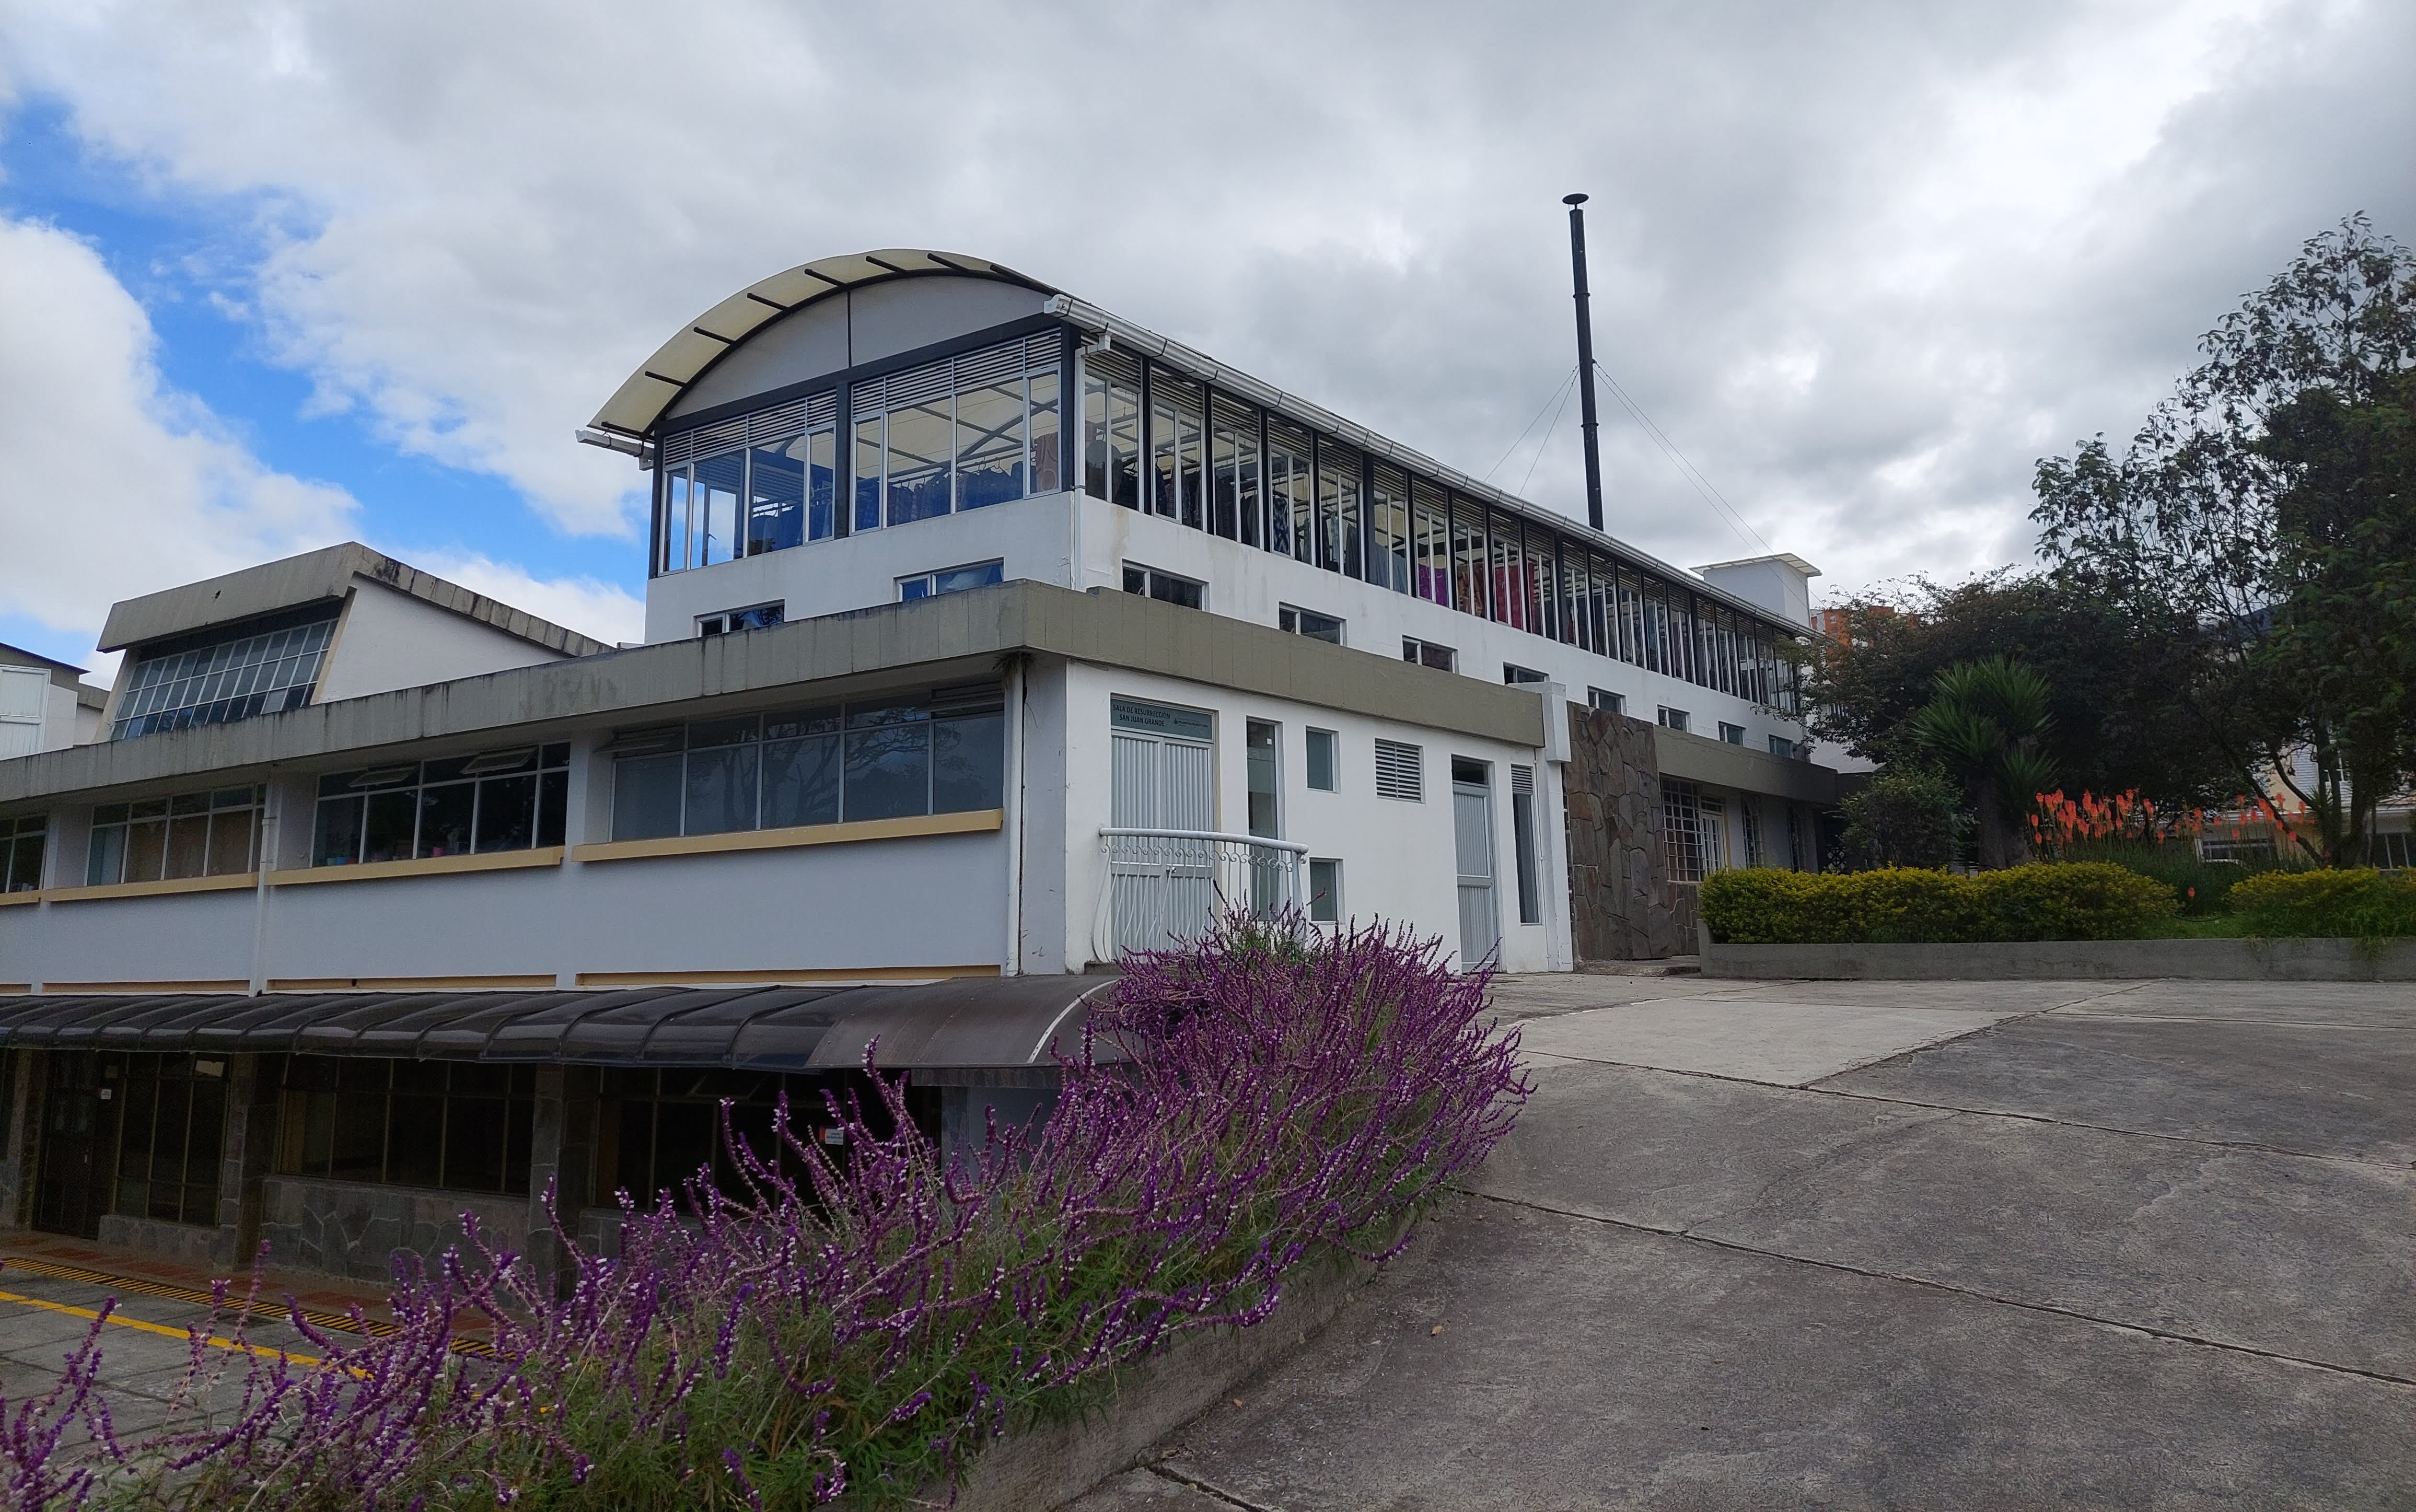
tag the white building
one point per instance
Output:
(989, 637)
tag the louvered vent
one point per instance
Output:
(1400, 771)
(1523, 781)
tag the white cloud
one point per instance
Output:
(1933, 231)
(602, 611)
(116, 484)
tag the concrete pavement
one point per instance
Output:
(1885, 1245)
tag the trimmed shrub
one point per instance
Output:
(2053, 901)
(2360, 903)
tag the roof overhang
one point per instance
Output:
(968, 1024)
(643, 399)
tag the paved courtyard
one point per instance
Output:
(1915, 1245)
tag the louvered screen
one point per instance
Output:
(1523, 781)
(998, 363)
(1400, 771)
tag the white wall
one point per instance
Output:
(388, 640)
(1397, 858)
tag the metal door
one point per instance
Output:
(79, 1146)
(1480, 920)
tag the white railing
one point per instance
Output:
(1160, 888)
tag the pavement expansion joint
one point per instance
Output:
(1207, 1489)
(1948, 1288)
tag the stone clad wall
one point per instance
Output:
(1621, 905)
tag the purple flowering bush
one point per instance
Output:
(860, 1327)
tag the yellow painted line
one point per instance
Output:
(150, 1327)
(341, 1322)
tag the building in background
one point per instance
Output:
(989, 638)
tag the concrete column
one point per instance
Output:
(561, 1151)
(18, 1142)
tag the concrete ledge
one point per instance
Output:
(2245, 960)
(1053, 1464)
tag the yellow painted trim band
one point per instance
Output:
(232, 984)
(976, 822)
(242, 881)
(807, 976)
(408, 984)
(24, 894)
(431, 866)
(162, 1329)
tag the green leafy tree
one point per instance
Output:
(1988, 725)
(2262, 514)
(2114, 677)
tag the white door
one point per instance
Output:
(1162, 888)
(1480, 922)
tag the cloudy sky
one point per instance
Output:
(275, 275)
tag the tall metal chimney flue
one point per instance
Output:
(1585, 359)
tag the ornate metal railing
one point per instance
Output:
(1161, 888)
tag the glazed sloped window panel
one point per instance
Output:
(888, 760)
(990, 443)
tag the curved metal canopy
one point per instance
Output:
(639, 403)
(984, 1023)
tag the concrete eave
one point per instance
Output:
(1701, 759)
(953, 638)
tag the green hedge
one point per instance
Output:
(2062, 901)
(2363, 904)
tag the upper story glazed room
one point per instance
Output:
(884, 392)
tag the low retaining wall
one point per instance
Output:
(1052, 1465)
(2240, 961)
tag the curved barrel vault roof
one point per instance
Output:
(641, 401)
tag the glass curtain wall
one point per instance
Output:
(497, 800)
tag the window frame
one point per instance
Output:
(1294, 620)
(1330, 742)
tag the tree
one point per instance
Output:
(2112, 677)
(1988, 725)
(2256, 513)
(1905, 816)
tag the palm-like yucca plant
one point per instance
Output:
(1989, 722)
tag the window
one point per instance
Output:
(456, 1125)
(1515, 675)
(1325, 891)
(1291, 485)
(1523, 838)
(1112, 428)
(1604, 698)
(1672, 718)
(1176, 406)
(262, 666)
(1782, 746)
(1389, 541)
(2391, 852)
(498, 800)
(1690, 822)
(1338, 491)
(1428, 654)
(1164, 587)
(1732, 733)
(659, 1128)
(1324, 757)
(1400, 771)
(171, 1135)
(889, 758)
(1265, 760)
(190, 835)
(951, 580)
(761, 618)
(1309, 623)
(21, 840)
(1749, 816)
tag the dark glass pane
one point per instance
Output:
(921, 442)
(414, 1140)
(520, 1128)
(474, 1145)
(776, 503)
(552, 806)
(337, 840)
(206, 1145)
(188, 846)
(646, 797)
(822, 483)
(989, 444)
(425, 1077)
(318, 1133)
(801, 781)
(168, 1135)
(230, 832)
(142, 1095)
(888, 771)
(1045, 457)
(968, 762)
(718, 481)
(452, 769)
(721, 789)
(386, 834)
(357, 1075)
(684, 1136)
(867, 473)
(633, 1161)
(445, 817)
(507, 813)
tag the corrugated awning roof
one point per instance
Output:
(642, 397)
(969, 1023)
